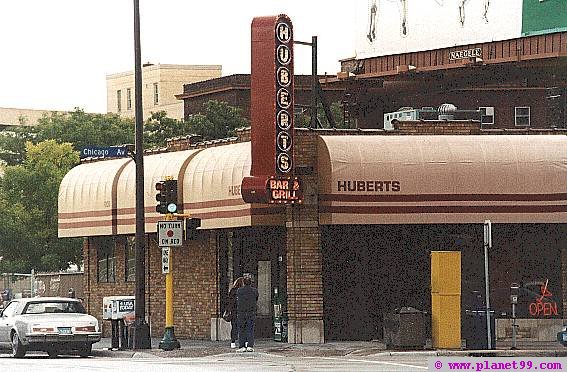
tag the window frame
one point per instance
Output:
(106, 248)
(119, 100)
(483, 115)
(156, 94)
(128, 99)
(516, 116)
(130, 259)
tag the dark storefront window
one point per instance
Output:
(130, 259)
(522, 115)
(106, 259)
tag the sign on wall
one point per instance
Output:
(271, 96)
(400, 26)
(271, 112)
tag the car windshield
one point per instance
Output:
(46, 307)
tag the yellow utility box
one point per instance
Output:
(446, 299)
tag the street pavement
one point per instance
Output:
(202, 348)
(202, 355)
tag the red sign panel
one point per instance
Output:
(271, 105)
(271, 111)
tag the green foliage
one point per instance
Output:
(336, 111)
(218, 120)
(28, 198)
(38, 158)
(158, 128)
(13, 144)
(84, 129)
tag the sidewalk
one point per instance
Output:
(200, 348)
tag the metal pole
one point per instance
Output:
(313, 82)
(169, 342)
(513, 326)
(487, 246)
(141, 334)
(32, 279)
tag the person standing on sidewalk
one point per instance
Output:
(246, 299)
(231, 311)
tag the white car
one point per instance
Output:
(52, 324)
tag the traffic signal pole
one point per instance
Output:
(169, 342)
(167, 198)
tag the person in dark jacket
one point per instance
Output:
(246, 299)
(231, 310)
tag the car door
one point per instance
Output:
(7, 320)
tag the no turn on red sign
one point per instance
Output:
(170, 233)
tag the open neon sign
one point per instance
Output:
(543, 305)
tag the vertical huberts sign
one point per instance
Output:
(284, 97)
(271, 112)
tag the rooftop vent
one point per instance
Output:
(446, 111)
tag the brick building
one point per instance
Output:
(336, 258)
(376, 204)
(235, 90)
(515, 83)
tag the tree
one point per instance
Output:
(13, 144)
(83, 129)
(78, 128)
(336, 110)
(28, 198)
(159, 128)
(218, 120)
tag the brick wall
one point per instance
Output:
(195, 286)
(304, 260)
(436, 127)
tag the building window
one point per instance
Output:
(156, 94)
(130, 259)
(128, 99)
(486, 115)
(522, 115)
(106, 259)
(118, 100)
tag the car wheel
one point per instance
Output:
(18, 350)
(52, 353)
(86, 350)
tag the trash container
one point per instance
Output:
(474, 329)
(404, 328)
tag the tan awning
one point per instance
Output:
(87, 199)
(214, 178)
(442, 179)
(156, 168)
(99, 198)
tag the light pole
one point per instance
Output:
(140, 329)
(487, 247)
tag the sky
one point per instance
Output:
(56, 53)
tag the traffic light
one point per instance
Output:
(161, 198)
(191, 225)
(171, 195)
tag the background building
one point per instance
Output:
(160, 84)
(18, 116)
(235, 90)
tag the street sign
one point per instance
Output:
(104, 152)
(165, 260)
(170, 233)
